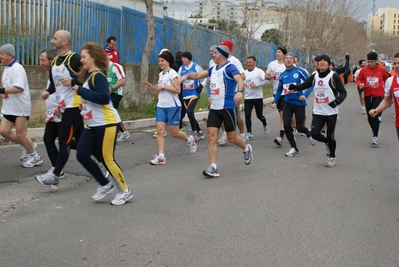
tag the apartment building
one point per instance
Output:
(386, 21)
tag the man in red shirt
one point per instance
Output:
(372, 79)
(111, 51)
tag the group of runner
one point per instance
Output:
(87, 88)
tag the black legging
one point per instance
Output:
(249, 104)
(71, 127)
(288, 111)
(372, 102)
(318, 123)
(51, 132)
(116, 99)
(189, 106)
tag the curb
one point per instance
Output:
(142, 123)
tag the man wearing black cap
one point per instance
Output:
(329, 92)
(225, 78)
(191, 92)
(274, 69)
(372, 79)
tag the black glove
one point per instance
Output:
(199, 88)
(2, 90)
(333, 104)
(292, 87)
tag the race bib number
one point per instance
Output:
(188, 85)
(321, 98)
(214, 90)
(49, 115)
(247, 83)
(286, 91)
(372, 81)
(86, 113)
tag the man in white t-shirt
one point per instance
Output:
(254, 80)
(274, 69)
(240, 123)
(16, 107)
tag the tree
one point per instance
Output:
(385, 44)
(272, 36)
(321, 26)
(148, 48)
(230, 27)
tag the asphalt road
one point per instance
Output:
(278, 211)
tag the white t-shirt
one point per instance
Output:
(357, 73)
(256, 76)
(233, 60)
(19, 105)
(167, 99)
(278, 69)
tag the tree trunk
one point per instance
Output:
(147, 51)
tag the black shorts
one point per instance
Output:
(228, 116)
(360, 91)
(280, 103)
(12, 118)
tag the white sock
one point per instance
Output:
(224, 133)
(162, 155)
(214, 165)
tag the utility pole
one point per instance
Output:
(373, 7)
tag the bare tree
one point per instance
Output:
(321, 26)
(148, 48)
(386, 44)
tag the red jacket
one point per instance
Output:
(112, 54)
(373, 80)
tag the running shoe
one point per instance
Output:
(222, 140)
(312, 141)
(211, 172)
(158, 160)
(122, 198)
(102, 191)
(248, 156)
(48, 179)
(249, 136)
(331, 162)
(363, 111)
(123, 136)
(200, 135)
(32, 161)
(62, 174)
(182, 130)
(278, 140)
(292, 153)
(192, 144)
(25, 152)
(374, 140)
(266, 128)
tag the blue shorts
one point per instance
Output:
(169, 116)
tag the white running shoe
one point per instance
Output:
(278, 140)
(248, 156)
(249, 136)
(155, 134)
(222, 140)
(374, 140)
(123, 136)
(331, 162)
(292, 153)
(158, 160)
(48, 179)
(312, 141)
(363, 111)
(266, 128)
(25, 153)
(211, 172)
(32, 161)
(102, 191)
(192, 144)
(62, 174)
(122, 198)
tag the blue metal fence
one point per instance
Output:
(30, 24)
